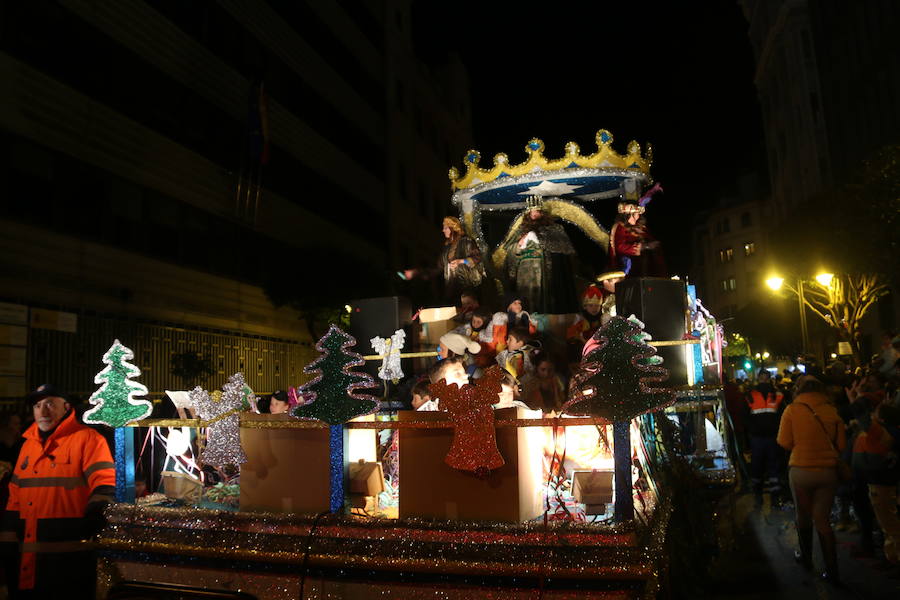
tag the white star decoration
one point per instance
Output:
(549, 188)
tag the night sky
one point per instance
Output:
(677, 75)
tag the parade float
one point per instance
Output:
(346, 498)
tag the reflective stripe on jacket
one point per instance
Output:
(52, 487)
(769, 403)
(763, 412)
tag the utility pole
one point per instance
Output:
(804, 332)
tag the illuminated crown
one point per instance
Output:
(534, 203)
(605, 158)
(628, 208)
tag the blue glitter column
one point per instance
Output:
(624, 501)
(124, 456)
(336, 438)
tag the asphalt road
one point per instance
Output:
(757, 560)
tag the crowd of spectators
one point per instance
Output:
(793, 431)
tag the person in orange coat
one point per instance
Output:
(813, 432)
(762, 417)
(63, 479)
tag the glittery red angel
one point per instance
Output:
(474, 445)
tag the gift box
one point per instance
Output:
(430, 488)
(435, 322)
(594, 489)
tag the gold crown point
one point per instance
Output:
(501, 159)
(454, 174)
(572, 149)
(534, 146)
(634, 147)
(472, 157)
(604, 138)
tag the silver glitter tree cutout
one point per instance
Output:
(223, 437)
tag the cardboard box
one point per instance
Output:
(366, 480)
(430, 488)
(433, 323)
(431, 333)
(287, 470)
(594, 489)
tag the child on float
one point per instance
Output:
(279, 403)
(588, 321)
(468, 304)
(450, 369)
(544, 390)
(516, 315)
(509, 396)
(489, 331)
(516, 358)
(457, 345)
(421, 397)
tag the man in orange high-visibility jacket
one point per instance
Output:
(764, 408)
(63, 479)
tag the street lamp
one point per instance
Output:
(775, 283)
(824, 279)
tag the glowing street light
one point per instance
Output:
(824, 279)
(775, 283)
(765, 355)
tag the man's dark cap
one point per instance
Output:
(280, 395)
(763, 372)
(45, 390)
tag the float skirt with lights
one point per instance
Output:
(270, 555)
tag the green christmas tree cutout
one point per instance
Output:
(616, 372)
(333, 391)
(115, 403)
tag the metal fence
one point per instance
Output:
(70, 360)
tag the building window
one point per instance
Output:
(726, 255)
(724, 285)
(726, 225)
(732, 284)
(749, 248)
(746, 220)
